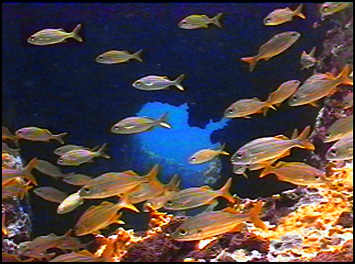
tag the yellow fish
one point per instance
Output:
(80, 256)
(268, 148)
(199, 21)
(158, 201)
(318, 86)
(206, 155)
(6, 134)
(339, 129)
(283, 92)
(146, 190)
(276, 45)
(50, 194)
(77, 157)
(213, 223)
(76, 179)
(38, 134)
(342, 149)
(15, 188)
(71, 202)
(8, 174)
(308, 60)
(52, 36)
(63, 149)
(101, 216)
(49, 169)
(111, 184)
(282, 15)
(154, 82)
(298, 173)
(118, 56)
(329, 8)
(246, 107)
(198, 196)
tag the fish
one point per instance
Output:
(38, 247)
(276, 45)
(205, 155)
(13, 151)
(16, 188)
(118, 56)
(347, 101)
(282, 15)
(246, 107)
(339, 129)
(298, 173)
(133, 125)
(111, 184)
(329, 8)
(101, 216)
(39, 134)
(8, 174)
(158, 201)
(153, 82)
(63, 149)
(53, 36)
(318, 86)
(50, 194)
(77, 157)
(7, 135)
(70, 203)
(80, 256)
(268, 148)
(199, 21)
(283, 92)
(198, 196)
(213, 223)
(76, 179)
(308, 60)
(49, 169)
(342, 149)
(147, 190)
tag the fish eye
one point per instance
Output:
(295, 34)
(239, 154)
(267, 19)
(169, 202)
(138, 83)
(193, 158)
(86, 189)
(327, 135)
(333, 151)
(60, 160)
(100, 57)
(182, 232)
(230, 110)
(325, 8)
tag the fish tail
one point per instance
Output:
(303, 139)
(75, 33)
(298, 12)
(174, 182)
(268, 104)
(224, 191)
(162, 121)
(313, 52)
(152, 175)
(59, 137)
(137, 55)
(125, 203)
(254, 215)
(101, 153)
(215, 20)
(221, 151)
(344, 75)
(29, 167)
(252, 62)
(178, 81)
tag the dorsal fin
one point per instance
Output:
(130, 172)
(281, 137)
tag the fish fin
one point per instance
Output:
(221, 151)
(215, 20)
(178, 80)
(27, 170)
(174, 183)
(137, 55)
(229, 210)
(211, 206)
(101, 153)
(314, 104)
(266, 171)
(59, 137)
(252, 62)
(224, 191)
(268, 105)
(303, 139)
(313, 51)
(283, 137)
(245, 175)
(298, 10)
(205, 187)
(294, 133)
(239, 227)
(344, 75)
(75, 33)
(162, 121)
(248, 117)
(152, 175)
(125, 203)
(94, 148)
(254, 215)
(130, 172)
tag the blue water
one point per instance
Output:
(62, 88)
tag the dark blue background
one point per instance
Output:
(62, 88)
